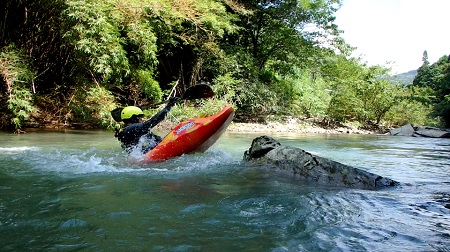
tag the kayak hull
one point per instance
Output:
(194, 135)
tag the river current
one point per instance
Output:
(76, 191)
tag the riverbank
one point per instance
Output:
(289, 125)
(277, 127)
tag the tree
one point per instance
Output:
(187, 39)
(437, 78)
(282, 30)
(425, 58)
(358, 93)
(275, 39)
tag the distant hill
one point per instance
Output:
(405, 78)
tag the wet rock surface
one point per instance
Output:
(419, 131)
(308, 167)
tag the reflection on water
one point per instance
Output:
(76, 191)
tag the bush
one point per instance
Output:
(312, 97)
(18, 78)
(149, 86)
(197, 108)
(409, 112)
(94, 105)
(442, 111)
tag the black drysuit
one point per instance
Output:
(131, 135)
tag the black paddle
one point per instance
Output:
(194, 92)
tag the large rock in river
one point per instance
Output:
(419, 131)
(311, 168)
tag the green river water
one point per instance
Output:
(76, 191)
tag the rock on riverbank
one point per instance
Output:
(420, 131)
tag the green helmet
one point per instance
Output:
(130, 111)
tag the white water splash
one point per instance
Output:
(91, 161)
(12, 150)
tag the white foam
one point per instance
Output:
(18, 149)
(91, 161)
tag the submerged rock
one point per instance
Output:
(419, 131)
(311, 168)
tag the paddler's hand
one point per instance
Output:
(173, 101)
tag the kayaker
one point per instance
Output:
(136, 131)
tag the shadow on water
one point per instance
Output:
(77, 192)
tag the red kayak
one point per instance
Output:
(194, 135)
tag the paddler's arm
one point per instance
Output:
(158, 117)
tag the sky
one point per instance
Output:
(396, 31)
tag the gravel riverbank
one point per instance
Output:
(290, 125)
(293, 127)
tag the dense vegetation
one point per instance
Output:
(435, 80)
(72, 61)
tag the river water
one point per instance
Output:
(76, 191)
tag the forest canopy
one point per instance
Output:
(73, 61)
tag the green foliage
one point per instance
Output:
(342, 106)
(312, 96)
(214, 17)
(226, 88)
(251, 98)
(110, 40)
(377, 96)
(101, 111)
(190, 109)
(197, 108)
(412, 112)
(148, 85)
(141, 41)
(413, 107)
(437, 78)
(346, 79)
(21, 105)
(257, 98)
(442, 111)
(187, 34)
(269, 47)
(18, 78)
(275, 30)
(359, 93)
(94, 105)
(93, 31)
